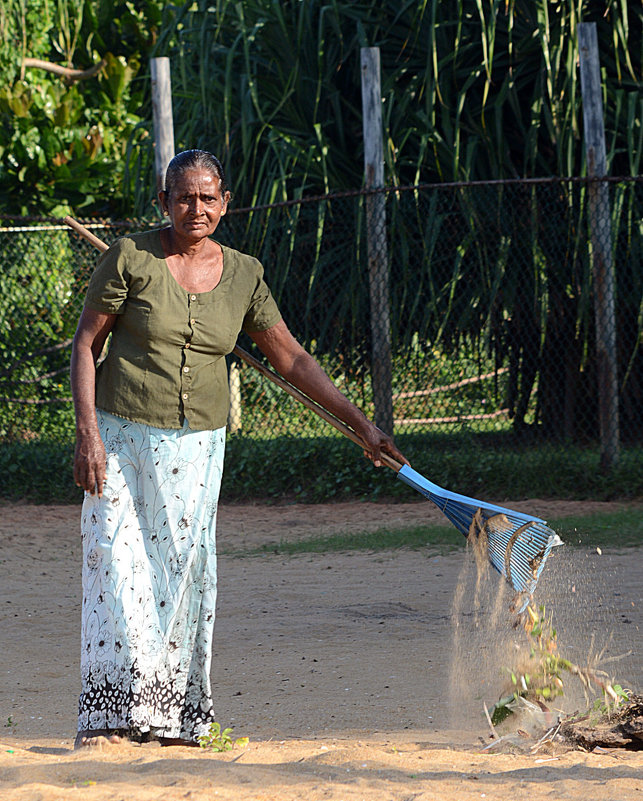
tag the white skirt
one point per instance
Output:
(149, 581)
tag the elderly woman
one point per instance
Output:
(150, 426)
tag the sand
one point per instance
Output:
(351, 673)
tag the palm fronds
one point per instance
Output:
(471, 89)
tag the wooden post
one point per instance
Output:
(162, 116)
(234, 412)
(381, 372)
(601, 244)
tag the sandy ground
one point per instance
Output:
(355, 676)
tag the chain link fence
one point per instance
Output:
(507, 306)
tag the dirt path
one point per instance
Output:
(347, 671)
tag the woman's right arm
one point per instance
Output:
(89, 459)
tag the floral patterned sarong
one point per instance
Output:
(149, 581)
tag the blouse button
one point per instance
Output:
(186, 369)
(184, 396)
(192, 321)
(187, 345)
(192, 297)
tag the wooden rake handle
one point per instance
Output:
(271, 375)
(86, 233)
(319, 410)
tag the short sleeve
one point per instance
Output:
(108, 285)
(263, 311)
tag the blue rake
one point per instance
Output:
(518, 545)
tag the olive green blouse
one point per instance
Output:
(166, 358)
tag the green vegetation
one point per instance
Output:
(40, 472)
(320, 469)
(608, 529)
(498, 278)
(64, 140)
(440, 539)
(471, 91)
(218, 739)
(37, 320)
(491, 466)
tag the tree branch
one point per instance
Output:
(68, 73)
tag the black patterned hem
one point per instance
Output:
(144, 707)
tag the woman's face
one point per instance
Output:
(195, 204)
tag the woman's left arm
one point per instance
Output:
(298, 367)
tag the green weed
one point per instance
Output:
(218, 739)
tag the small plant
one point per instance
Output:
(221, 740)
(603, 707)
(10, 723)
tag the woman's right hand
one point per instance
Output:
(89, 463)
(89, 459)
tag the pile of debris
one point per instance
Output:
(620, 728)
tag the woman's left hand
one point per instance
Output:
(377, 442)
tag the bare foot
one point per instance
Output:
(97, 738)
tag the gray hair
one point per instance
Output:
(191, 160)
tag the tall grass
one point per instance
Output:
(472, 89)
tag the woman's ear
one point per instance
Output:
(163, 201)
(224, 202)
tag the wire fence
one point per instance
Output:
(500, 306)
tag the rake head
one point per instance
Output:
(517, 545)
